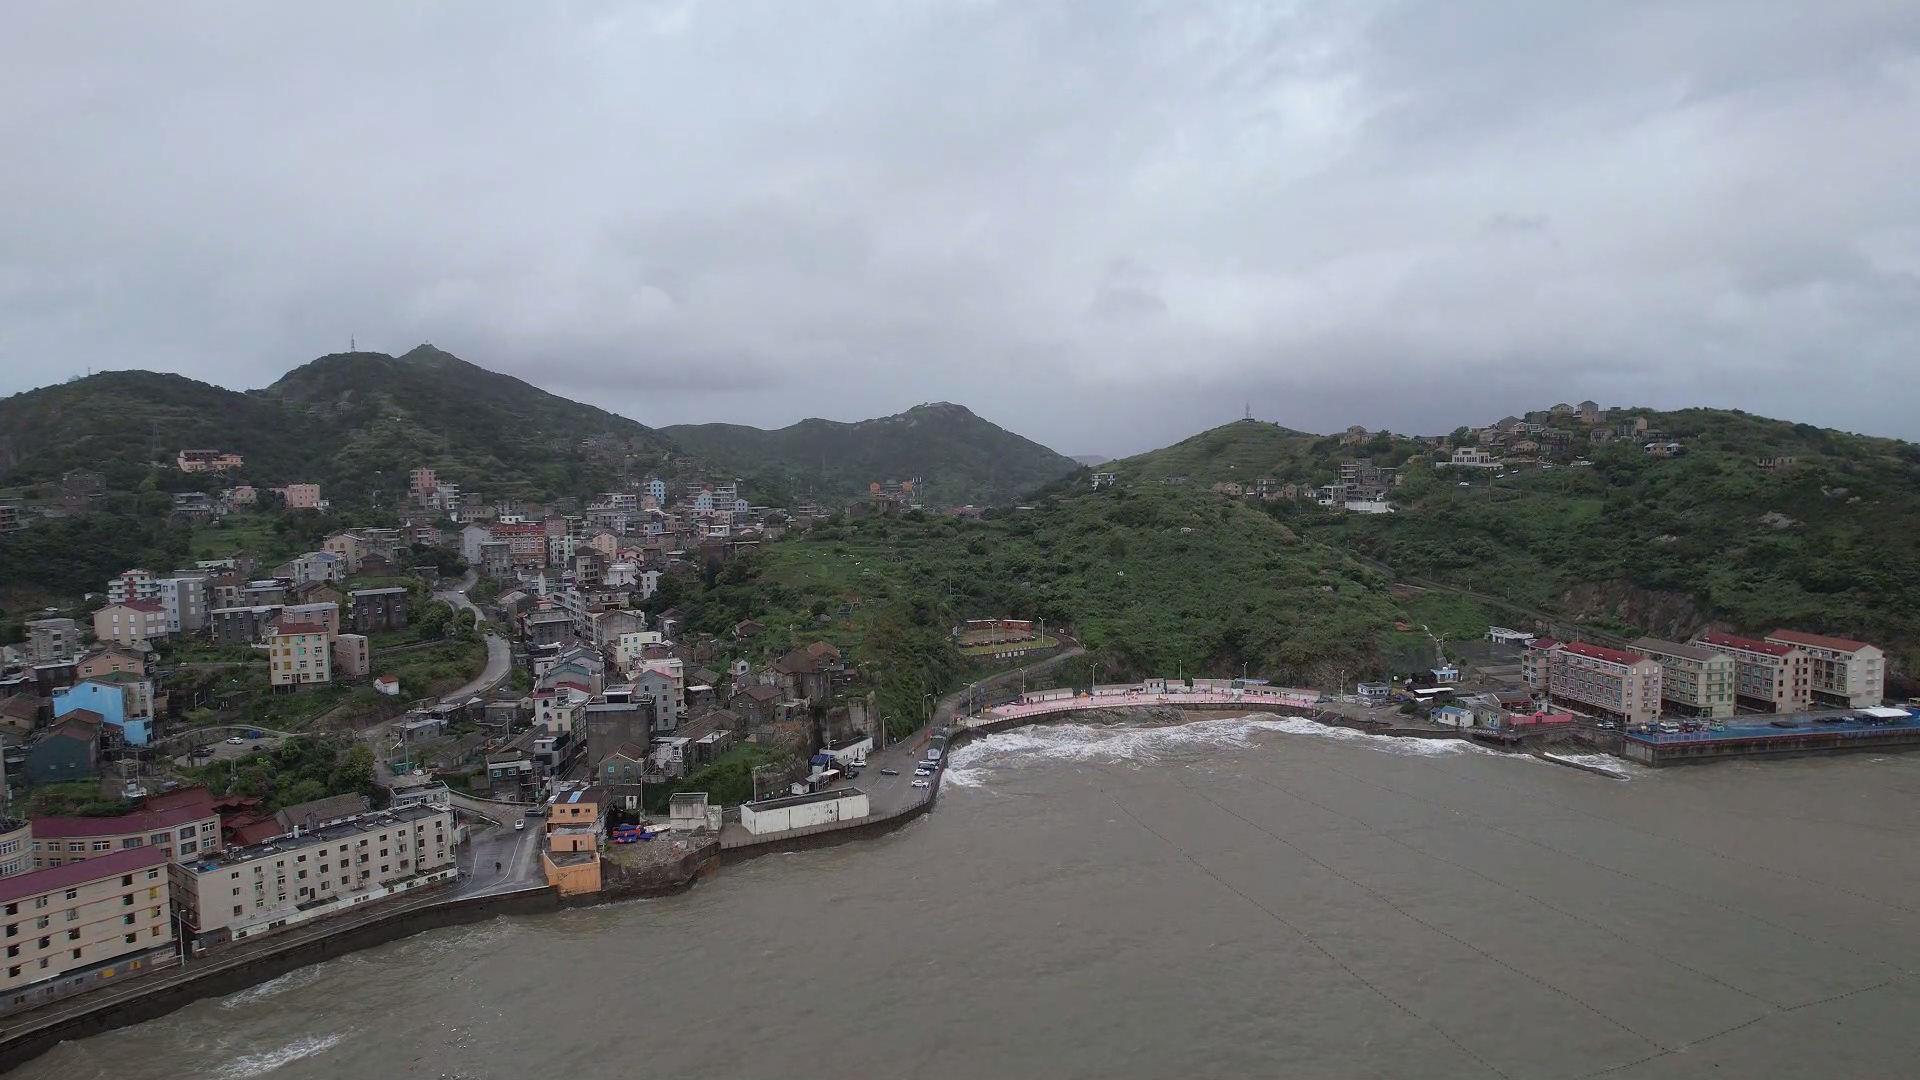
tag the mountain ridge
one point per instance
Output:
(957, 455)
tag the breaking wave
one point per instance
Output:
(970, 766)
(268, 1060)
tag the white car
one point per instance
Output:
(920, 783)
(520, 826)
(1463, 483)
(235, 741)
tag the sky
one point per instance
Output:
(1104, 224)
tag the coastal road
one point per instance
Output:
(516, 851)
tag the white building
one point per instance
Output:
(804, 811)
(133, 585)
(1841, 673)
(307, 875)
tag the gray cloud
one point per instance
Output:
(1101, 223)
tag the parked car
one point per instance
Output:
(536, 811)
(889, 772)
(1606, 725)
(920, 783)
(235, 741)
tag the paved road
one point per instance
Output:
(499, 658)
(516, 853)
(456, 597)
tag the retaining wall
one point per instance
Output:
(218, 976)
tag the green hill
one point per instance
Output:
(1154, 581)
(350, 422)
(382, 415)
(1630, 543)
(959, 457)
(117, 423)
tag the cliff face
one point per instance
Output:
(1672, 615)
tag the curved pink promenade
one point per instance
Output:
(1048, 702)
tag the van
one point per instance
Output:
(1668, 727)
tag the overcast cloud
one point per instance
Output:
(1104, 224)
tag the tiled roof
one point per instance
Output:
(289, 629)
(1744, 644)
(56, 878)
(1674, 648)
(1611, 656)
(1543, 643)
(1818, 641)
(149, 606)
(60, 828)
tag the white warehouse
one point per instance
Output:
(804, 811)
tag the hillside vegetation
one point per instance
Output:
(959, 457)
(1630, 543)
(1153, 581)
(353, 422)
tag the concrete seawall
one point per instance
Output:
(216, 976)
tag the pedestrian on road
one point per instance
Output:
(496, 866)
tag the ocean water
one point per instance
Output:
(1233, 897)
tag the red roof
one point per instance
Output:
(196, 796)
(1611, 656)
(1745, 644)
(140, 821)
(149, 606)
(292, 628)
(1818, 641)
(66, 876)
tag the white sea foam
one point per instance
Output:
(292, 980)
(973, 764)
(1613, 765)
(268, 1060)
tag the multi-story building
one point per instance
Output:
(1622, 685)
(194, 461)
(373, 611)
(71, 927)
(52, 639)
(180, 824)
(1842, 674)
(526, 539)
(1767, 676)
(242, 625)
(301, 496)
(299, 654)
(421, 482)
(16, 846)
(184, 599)
(312, 873)
(123, 700)
(352, 658)
(1694, 680)
(133, 585)
(313, 566)
(134, 624)
(351, 547)
(575, 822)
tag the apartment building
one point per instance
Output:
(1534, 661)
(373, 611)
(133, 585)
(180, 824)
(1622, 685)
(352, 658)
(299, 654)
(313, 873)
(52, 639)
(1767, 676)
(16, 847)
(1695, 680)
(184, 600)
(1841, 674)
(132, 624)
(70, 927)
(301, 496)
(421, 482)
